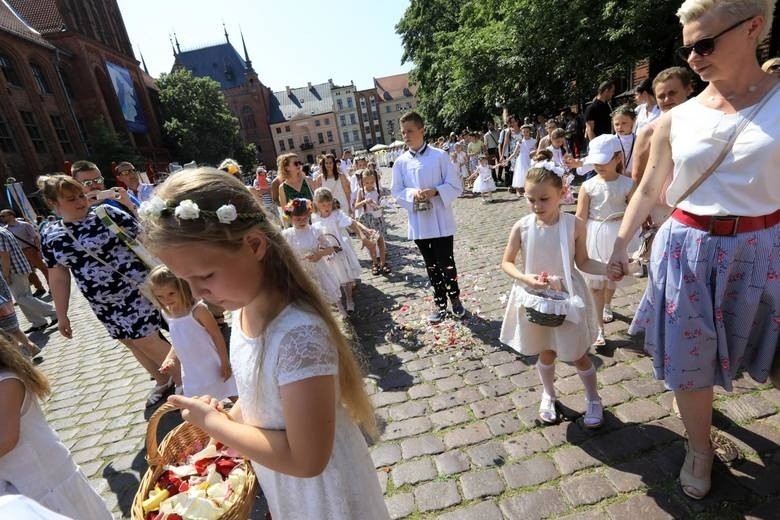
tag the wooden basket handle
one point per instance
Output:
(153, 457)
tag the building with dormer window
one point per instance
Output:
(396, 97)
(303, 121)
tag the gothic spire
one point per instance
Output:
(170, 39)
(176, 39)
(227, 38)
(143, 62)
(246, 54)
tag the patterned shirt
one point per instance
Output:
(8, 243)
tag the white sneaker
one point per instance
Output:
(594, 415)
(547, 412)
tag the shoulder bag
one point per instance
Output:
(143, 254)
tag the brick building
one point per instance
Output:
(248, 98)
(65, 65)
(303, 121)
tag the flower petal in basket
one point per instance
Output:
(551, 302)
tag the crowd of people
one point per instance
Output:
(694, 176)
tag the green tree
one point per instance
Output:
(196, 120)
(108, 146)
(531, 55)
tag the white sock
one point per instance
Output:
(589, 382)
(547, 376)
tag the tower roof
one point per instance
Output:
(221, 63)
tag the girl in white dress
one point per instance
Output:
(558, 155)
(197, 344)
(460, 159)
(601, 202)
(623, 121)
(369, 212)
(483, 179)
(524, 150)
(333, 223)
(337, 182)
(312, 250)
(33, 460)
(549, 243)
(301, 402)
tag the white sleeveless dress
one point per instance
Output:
(41, 468)
(197, 353)
(296, 346)
(323, 273)
(571, 339)
(337, 189)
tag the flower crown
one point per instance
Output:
(549, 166)
(189, 210)
(298, 207)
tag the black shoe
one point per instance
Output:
(36, 328)
(39, 293)
(458, 309)
(437, 316)
(54, 321)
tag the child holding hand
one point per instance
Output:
(550, 243)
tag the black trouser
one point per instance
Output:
(440, 263)
(508, 175)
(492, 154)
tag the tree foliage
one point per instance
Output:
(531, 55)
(197, 122)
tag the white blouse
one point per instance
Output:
(430, 169)
(746, 182)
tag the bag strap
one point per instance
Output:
(81, 246)
(131, 242)
(729, 145)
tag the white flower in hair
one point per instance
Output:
(152, 207)
(549, 166)
(187, 210)
(227, 214)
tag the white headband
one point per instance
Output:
(549, 166)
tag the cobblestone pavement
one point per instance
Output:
(458, 412)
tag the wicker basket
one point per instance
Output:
(543, 318)
(180, 440)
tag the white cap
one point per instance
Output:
(602, 149)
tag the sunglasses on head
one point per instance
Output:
(90, 182)
(706, 46)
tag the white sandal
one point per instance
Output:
(547, 412)
(606, 315)
(594, 415)
(600, 341)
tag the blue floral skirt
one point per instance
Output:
(712, 306)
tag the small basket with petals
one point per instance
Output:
(545, 307)
(176, 445)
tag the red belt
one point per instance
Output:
(728, 225)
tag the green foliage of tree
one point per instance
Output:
(108, 146)
(197, 122)
(531, 55)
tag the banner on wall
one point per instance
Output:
(128, 98)
(18, 201)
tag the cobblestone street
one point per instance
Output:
(460, 439)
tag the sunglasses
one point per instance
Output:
(90, 182)
(127, 172)
(774, 68)
(706, 46)
(296, 163)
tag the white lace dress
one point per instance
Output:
(296, 346)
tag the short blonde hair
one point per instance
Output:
(737, 10)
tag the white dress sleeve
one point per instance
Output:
(343, 220)
(306, 351)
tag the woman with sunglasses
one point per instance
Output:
(295, 185)
(713, 294)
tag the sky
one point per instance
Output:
(289, 42)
